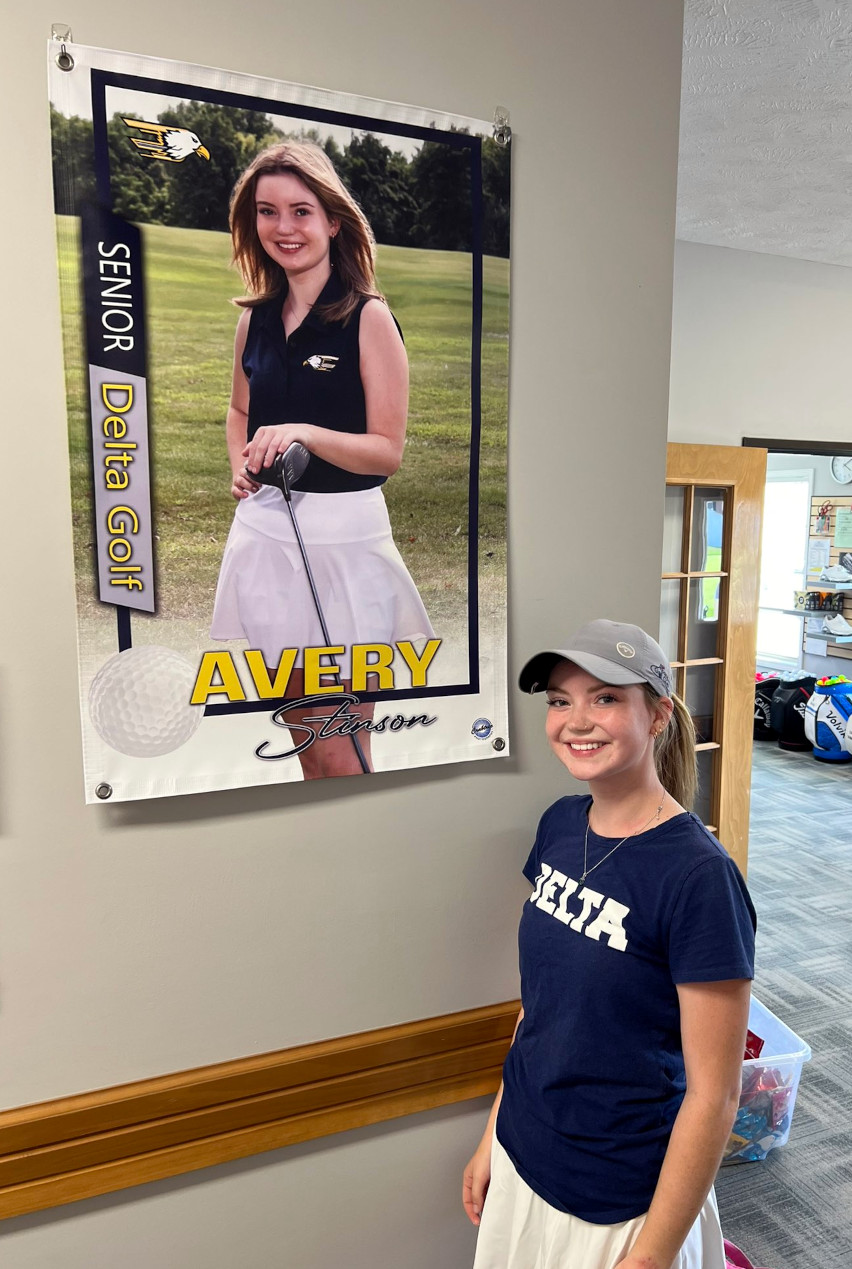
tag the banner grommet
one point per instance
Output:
(502, 132)
(62, 34)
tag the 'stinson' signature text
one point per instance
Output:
(339, 723)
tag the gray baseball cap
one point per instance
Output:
(613, 651)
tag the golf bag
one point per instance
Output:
(764, 690)
(787, 712)
(827, 721)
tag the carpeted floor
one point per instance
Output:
(793, 1210)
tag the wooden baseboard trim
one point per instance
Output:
(77, 1147)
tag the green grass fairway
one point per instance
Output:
(190, 339)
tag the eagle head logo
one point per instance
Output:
(166, 142)
(321, 361)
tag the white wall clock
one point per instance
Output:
(841, 469)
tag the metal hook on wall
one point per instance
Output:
(62, 34)
(502, 131)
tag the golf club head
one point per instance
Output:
(291, 466)
(285, 471)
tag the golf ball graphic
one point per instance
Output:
(139, 701)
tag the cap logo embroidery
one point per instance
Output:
(318, 362)
(625, 650)
(659, 673)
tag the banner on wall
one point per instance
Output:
(339, 606)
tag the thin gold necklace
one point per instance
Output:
(586, 868)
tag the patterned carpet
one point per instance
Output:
(793, 1210)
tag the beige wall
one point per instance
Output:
(149, 937)
(760, 347)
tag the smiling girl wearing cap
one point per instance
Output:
(636, 953)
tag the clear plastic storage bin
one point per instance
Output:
(770, 1084)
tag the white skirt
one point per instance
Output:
(520, 1231)
(366, 593)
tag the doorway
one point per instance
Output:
(806, 560)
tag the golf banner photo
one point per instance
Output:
(286, 333)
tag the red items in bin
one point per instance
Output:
(754, 1046)
(771, 1069)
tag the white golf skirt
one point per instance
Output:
(365, 591)
(520, 1231)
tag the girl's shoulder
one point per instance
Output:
(572, 808)
(687, 854)
(375, 313)
(378, 326)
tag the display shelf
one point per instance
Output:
(800, 612)
(836, 645)
(843, 640)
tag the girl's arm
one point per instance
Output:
(236, 422)
(477, 1174)
(714, 1018)
(384, 375)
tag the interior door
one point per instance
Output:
(708, 619)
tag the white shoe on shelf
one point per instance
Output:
(836, 573)
(837, 625)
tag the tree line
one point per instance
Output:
(423, 201)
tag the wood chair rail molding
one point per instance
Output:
(77, 1147)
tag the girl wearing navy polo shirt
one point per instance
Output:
(318, 359)
(636, 953)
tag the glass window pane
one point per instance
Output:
(783, 557)
(669, 610)
(708, 523)
(701, 700)
(673, 529)
(706, 595)
(783, 561)
(779, 637)
(706, 771)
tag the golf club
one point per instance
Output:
(286, 470)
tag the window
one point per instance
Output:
(711, 543)
(786, 519)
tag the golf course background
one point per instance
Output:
(190, 328)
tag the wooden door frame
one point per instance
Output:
(741, 471)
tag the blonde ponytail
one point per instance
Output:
(674, 753)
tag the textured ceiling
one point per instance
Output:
(766, 127)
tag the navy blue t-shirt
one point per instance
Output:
(595, 1076)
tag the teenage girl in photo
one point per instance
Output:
(318, 359)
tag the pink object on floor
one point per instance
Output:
(735, 1258)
